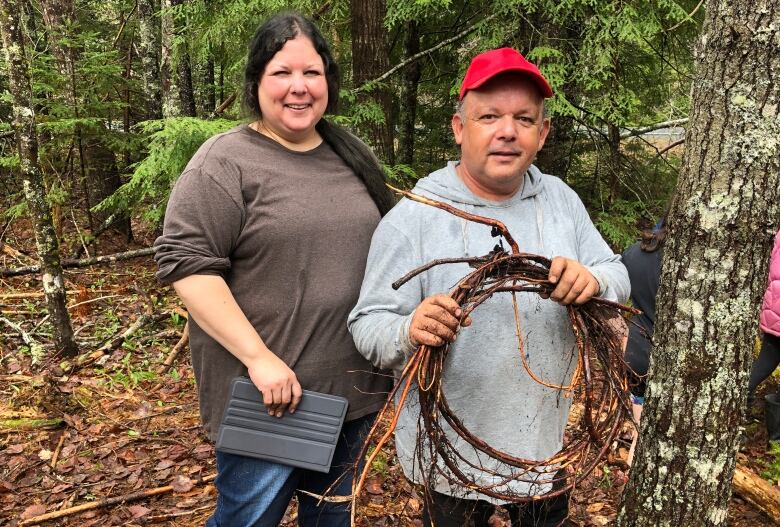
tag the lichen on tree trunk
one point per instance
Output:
(725, 213)
(24, 126)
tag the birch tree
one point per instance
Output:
(724, 216)
(34, 190)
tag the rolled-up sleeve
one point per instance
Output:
(203, 221)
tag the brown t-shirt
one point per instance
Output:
(289, 232)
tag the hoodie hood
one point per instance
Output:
(445, 184)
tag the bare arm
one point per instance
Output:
(211, 304)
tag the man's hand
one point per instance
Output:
(575, 283)
(436, 321)
(277, 382)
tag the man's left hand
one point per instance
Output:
(575, 283)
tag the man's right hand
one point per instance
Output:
(435, 321)
(277, 382)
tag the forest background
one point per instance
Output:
(122, 93)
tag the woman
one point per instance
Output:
(643, 262)
(769, 357)
(265, 241)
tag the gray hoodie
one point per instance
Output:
(484, 379)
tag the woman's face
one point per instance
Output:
(293, 91)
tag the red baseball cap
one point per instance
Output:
(487, 65)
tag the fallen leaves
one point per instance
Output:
(182, 484)
(123, 439)
(138, 510)
(374, 485)
(33, 510)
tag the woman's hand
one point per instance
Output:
(277, 382)
(211, 304)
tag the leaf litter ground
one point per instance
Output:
(118, 427)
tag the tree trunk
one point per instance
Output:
(615, 163)
(186, 93)
(149, 45)
(370, 60)
(724, 216)
(171, 106)
(24, 125)
(408, 107)
(104, 179)
(57, 15)
(210, 103)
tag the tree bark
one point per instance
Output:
(35, 193)
(369, 60)
(723, 218)
(171, 106)
(186, 93)
(210, 103)
(57, 14)
(149, 45)
(408, 107)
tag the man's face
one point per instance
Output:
(501, 129)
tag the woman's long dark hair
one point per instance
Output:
(654, 239)
(269, 38)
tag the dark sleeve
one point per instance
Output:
(203, 221)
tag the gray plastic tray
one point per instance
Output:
(305, 439)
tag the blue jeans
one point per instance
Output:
(255, 493)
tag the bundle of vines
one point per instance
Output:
(599, 384)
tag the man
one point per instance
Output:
(500, 126)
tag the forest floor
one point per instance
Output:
(118, 427)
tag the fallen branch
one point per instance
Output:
(185, 338)
(224, 106)
(114, 343)
(29, 423)
(105, 502)
(140, 322)
(36, 350)
(86, 262)
(162, 517)
(632, 132)
(38, 294)
(13, 253)
(30, 294)
(110, 221)
(758, 492)
(57, 451)
(670, 146)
